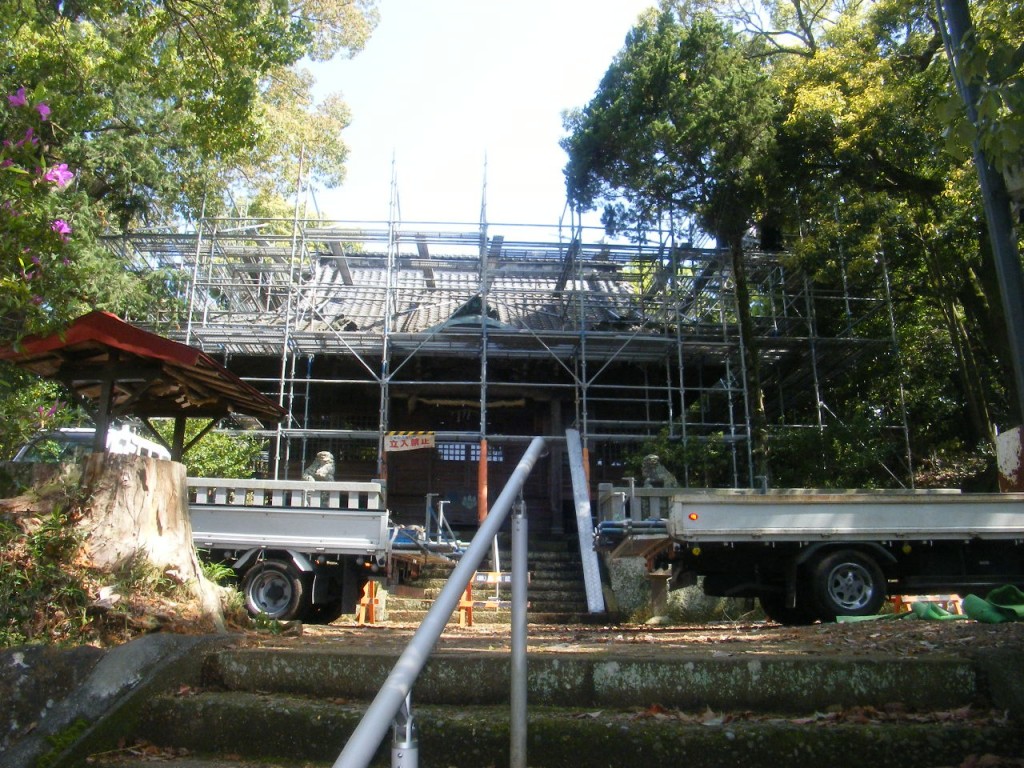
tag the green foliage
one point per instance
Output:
(158, 109)
(992, 61)
(218, 573)
(41, 598)
(699, 462)
(38, 212)
(137, 574)
(167, 104)
(682, 121)
(860, 453)
(261, 622)
(60, 742)
(28, 405)
(216, 454)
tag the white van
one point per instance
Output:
(72, 444)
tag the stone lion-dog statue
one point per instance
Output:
(655, 473)
(322, 468)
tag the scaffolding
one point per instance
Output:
(640, 338)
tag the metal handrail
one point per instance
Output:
(372, 729)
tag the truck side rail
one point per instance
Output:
(328, 517)
(846, 516)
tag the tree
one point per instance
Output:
(162, 100)
(874, 178)
(159, 110)
(215, 454)
(682, 122)
(997, 140)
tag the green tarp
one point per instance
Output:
(1005, 603)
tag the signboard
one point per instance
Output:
(407, 441)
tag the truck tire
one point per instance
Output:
(847, 583)
(274, 589)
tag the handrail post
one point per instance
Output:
(370, 732)
(520, 577)
(405, 746)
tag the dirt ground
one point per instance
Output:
(901, 637)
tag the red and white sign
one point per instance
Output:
(407, 441)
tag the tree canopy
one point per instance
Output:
(116, 114)
(835, 130)
(159, 109)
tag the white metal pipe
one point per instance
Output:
(520, 578)
(368, 735)
(405, 747)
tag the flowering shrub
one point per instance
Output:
(37, 205)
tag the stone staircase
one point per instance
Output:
(556, 592)
(224, 705)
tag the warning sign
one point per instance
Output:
(407, 441)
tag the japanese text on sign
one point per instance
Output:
(408, 441)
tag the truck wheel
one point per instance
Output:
(848, 583)
(274, 589)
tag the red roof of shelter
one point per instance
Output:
(151, 376)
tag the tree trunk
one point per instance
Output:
(751, 362)
(138, 506)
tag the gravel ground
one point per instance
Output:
(903, 637)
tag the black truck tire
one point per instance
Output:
(275, 589)
(847, 583)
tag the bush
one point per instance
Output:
(42, 599)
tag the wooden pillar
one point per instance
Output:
(178, 440)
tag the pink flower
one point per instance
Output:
(62, 228)
(60, 175)
(30, 139)
(43, 109)
(18, 99)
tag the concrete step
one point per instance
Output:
(298, 706)
(286, 730)
(484, 616)
(431, 589)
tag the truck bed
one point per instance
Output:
(332, 518)
(836, 516)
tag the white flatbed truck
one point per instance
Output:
(300, 549)
(809, 555)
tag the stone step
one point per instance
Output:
(294, 731)
(778, 684)
(556, 592)
(536, 591)
(537, 577)
(488, 616)
(299, 705)
(538, 558)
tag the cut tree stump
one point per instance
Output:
(138, 506)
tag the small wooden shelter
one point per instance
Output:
(115, 369)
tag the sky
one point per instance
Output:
(444, 88)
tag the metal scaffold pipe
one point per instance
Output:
(518, 669)
(372, 729)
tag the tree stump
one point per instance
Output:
(138, 506)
